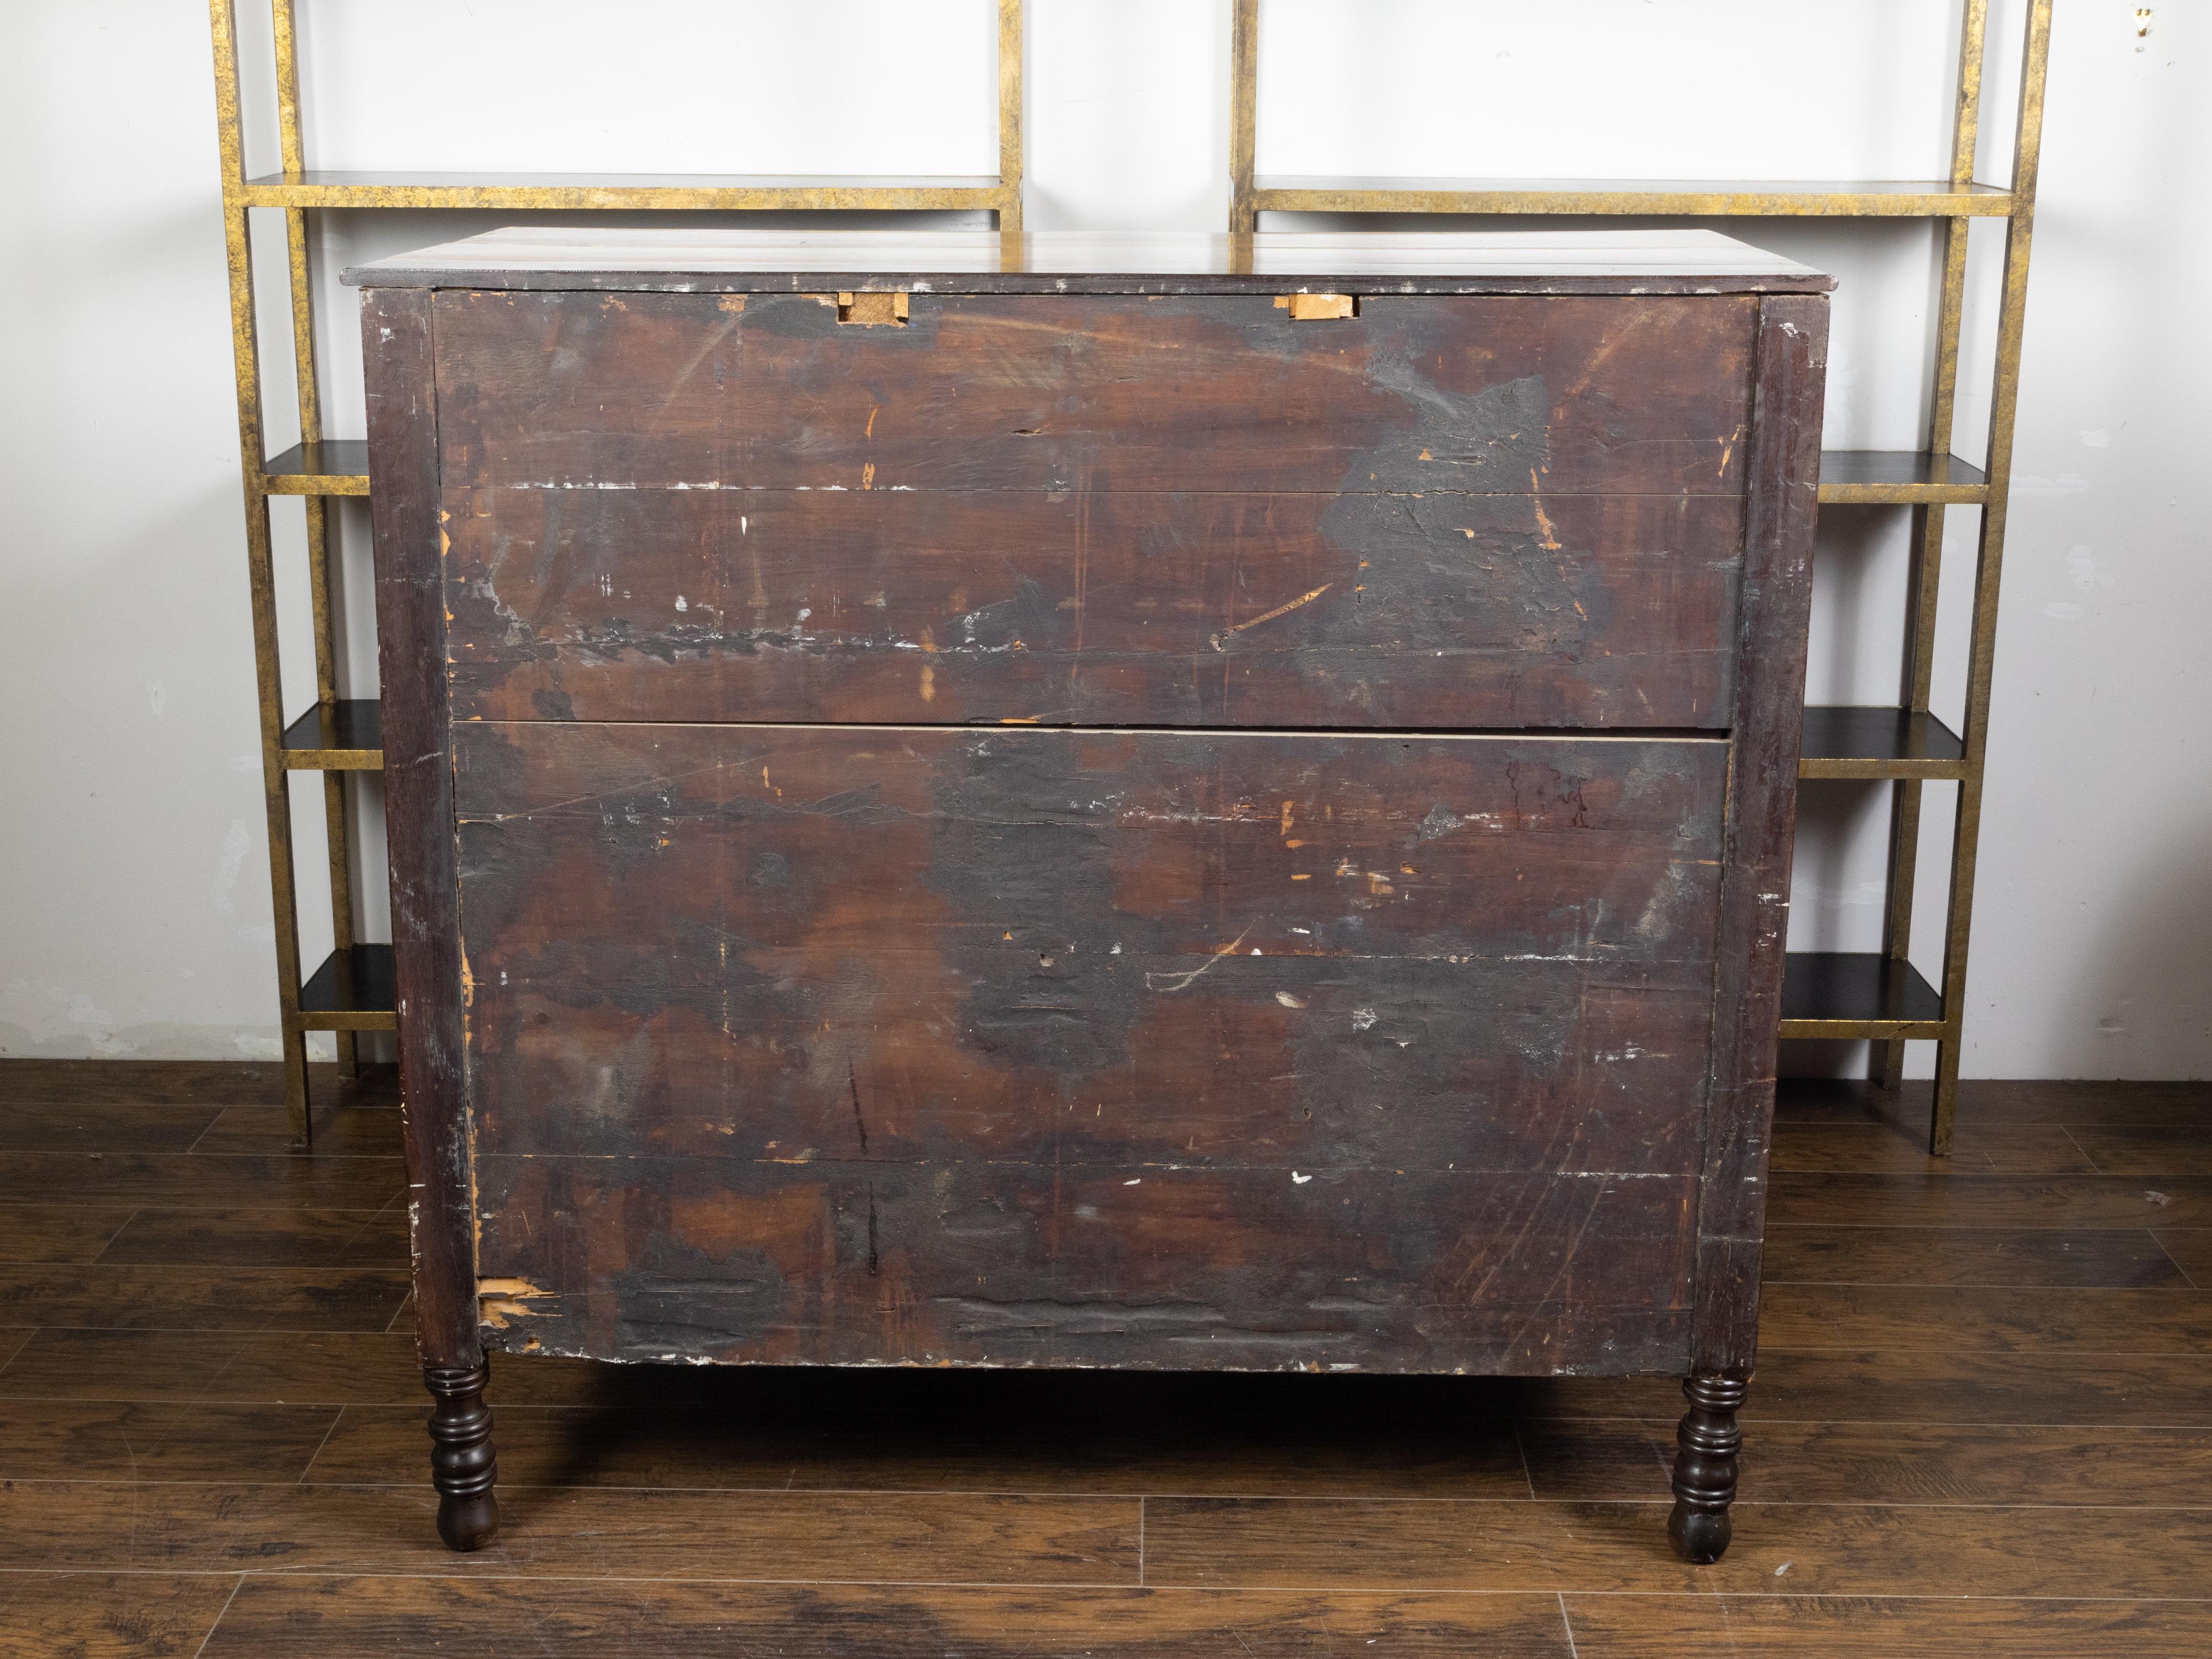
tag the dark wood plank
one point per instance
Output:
(1883, 1627)
(2147, 1149)
(341, 1617)
(109, 1615)
(1504, 394)
(1886, 1463)
(996, 1263)
(2068, 1201)
(1432, 611)
(403, 447)
(58, 1232)
(377, 1368)
(148, 1365)
(1783, 482)
(184, 1181)
(2137, 1321)
(991, 1538)
(343, 1131)
(142, 1083)
(263, 1238)
(105, 1296)
(1915, 1550)
(1880, 1149)
(101, 1440)
(1990, 1108)
(1965, 1255)
(1097, 947)
(102, 1126)
(2190, 1249)
(1917, 1385)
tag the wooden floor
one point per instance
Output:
(1982, 1427)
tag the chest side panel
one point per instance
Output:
(986, 974)
(1480, 512)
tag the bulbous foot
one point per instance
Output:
(468, 1523)
(1705, 1468)
(462, 1465)
(1699, 1536)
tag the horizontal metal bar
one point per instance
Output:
(678, 191)
(1703, 198)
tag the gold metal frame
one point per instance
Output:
(351, 991)
(1879, 996)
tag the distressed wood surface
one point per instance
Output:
(1485, 395)
(1068, 1264)
(1444, 610)
(1762, 826)
(1220, 948)
(397, 329)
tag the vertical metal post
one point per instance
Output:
(1010, 116)
(323, 572)
(1243, 111)
(2005, 405)
(260, 572)
(1888, 1058)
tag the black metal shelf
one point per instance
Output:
(332, 466)
(1842, 741)
(344, 735)
(1900, 477)
(1857, 994)
(327, 1003)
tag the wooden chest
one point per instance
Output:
(1188, 802)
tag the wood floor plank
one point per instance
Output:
(1862, 1627)
(1917, 1386)
(1887, 1463)
(202, 1299)
(128, 1615)
(1819, 1549)
(342, 1131)
(2149, 1151)
(1967, 1255)
(315, 1618)
(1990, 1107)
(2072, 1202)
(148, 1082)
(266, 1238)
(1881, 1148)
(102, 1126)
(767, 1450)
(58, 1232)
(185, 1181)
(821, 1537)
(149, 1365)
(102, 1440)
(2190, 1249)
(1948, 1319)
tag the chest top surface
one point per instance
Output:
(1043, 262)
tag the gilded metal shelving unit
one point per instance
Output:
(352, 990)
(1875, 995)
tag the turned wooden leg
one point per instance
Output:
(462, 1466)
(1704, 1468)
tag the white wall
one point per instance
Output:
(134, 913)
